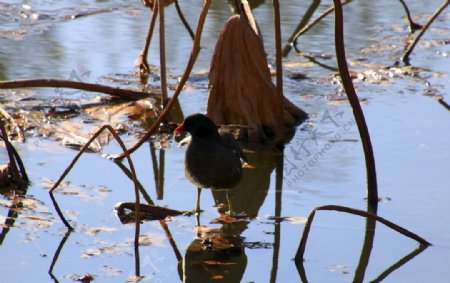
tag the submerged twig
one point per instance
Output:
(405, 56)
(372, 191)
(302, 246)
(113, 91)
(187, 72)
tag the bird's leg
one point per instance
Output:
(197, 220)
(230, 207)
(197, 206)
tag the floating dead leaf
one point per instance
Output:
(38, 221)
(30, 203)
(225, 218)
(111, 271)
(297, 220)
(126, 212)
(152, 239)
(217, 242)
(295, 65)
(91, 252)
(258, 245)
(83, 192)
(91, 231)
(293, 220)
(340, 267)
(85, 278)
(48, 184)
(135, 278)
(202, 229)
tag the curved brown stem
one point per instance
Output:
(372, 191)
(413, 26)
(405, 56)
(279, 134)
(56, 255)
(113, 91)
(75, 159)
(183, 20)
(399, 263)
(443, 103)
(12, 122)
(293, 40)
(302, 246)
(187, 72)
(162, 52)
(14, 172)
(15, 158)
(144, 67)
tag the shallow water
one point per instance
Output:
(323, 164)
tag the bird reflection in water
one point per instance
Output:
(219, 253)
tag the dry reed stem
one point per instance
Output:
(413, 26)
(75, 159)
(113, 91)
(279, 132)
(293, 41)
(187, 72)
(18, 174)
(162, 52)
(17, 159)
(183, 20)
(10, 120)
(307, 27)
(56, 255)
(144, 68)
(372, 190)
(405, 56)
(302, 246)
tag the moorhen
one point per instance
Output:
(213, 158)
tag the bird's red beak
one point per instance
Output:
(179, 129)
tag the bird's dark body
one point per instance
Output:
(213, 163)
(213, 159)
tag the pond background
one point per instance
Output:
(409, 131)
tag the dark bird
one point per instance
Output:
(213, 158)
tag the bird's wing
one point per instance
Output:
(229, 141)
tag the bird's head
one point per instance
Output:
(198, 125)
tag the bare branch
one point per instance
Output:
(113, 91)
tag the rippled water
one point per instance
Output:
(323, 164)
